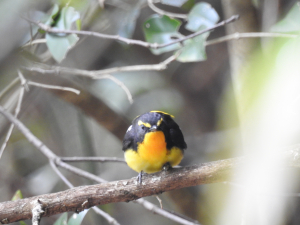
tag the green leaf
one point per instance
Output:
(50, 19)
(201, 16)
(76, 219)
(176, 3)
(67, 18)
(193, 49)
(18, 195)
(291, 22)
(78, 24)
(60, 44)
(22, 223)
(62, 220)
(162, 30)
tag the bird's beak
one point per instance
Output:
(153, 128)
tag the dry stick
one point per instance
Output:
(120, 84)
(105, 215)
(34, 42)
(162, 12)
(17, 110)
(141, 201)
(96, 74)
(130, 41)
(8, 212)
(120, 191)
(24, 84)
(92, 159)
(248, 35)
(48, 86)
(10, 86)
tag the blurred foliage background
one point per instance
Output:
(201, 95)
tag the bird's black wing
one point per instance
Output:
(128, 141)
(174, 136)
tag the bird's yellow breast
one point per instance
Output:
(152, 154)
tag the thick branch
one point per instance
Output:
(80, 198)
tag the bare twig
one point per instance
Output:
(96, 74)
(61, 176)
(92, 159)
(35, 42)
(120, 84)
(100, 212)
(10, 86)
(54, 87)
(78, 171)
(30, 137)
(180, 40)
(159, 200)
(17, 110)
(126, 40)
(249, 35)
(124, 190)
(162, 12)
(106, 216)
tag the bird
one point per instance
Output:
(153, 142)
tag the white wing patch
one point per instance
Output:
(129, 128)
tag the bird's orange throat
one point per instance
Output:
(154, 146)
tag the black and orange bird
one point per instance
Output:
(153, 142)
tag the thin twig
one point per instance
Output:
(180, 40)
(106, 216)
(78, 171)
(53, 87)
(162, 12)
(17, 110)
(61, 176)
(10, 86)
(92, 159)
(100, 212)
(159, 200)
(96, 74)
(127, 40)
(120, 84)
(165, 213)
(34, 42)
(249, 35)
(27, 133)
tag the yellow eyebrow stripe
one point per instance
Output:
(163, 113)
(145, 124)
(159, 122)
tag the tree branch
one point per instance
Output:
(55, 159)
(118, 191)
(97, 74)
(128, 190)
(126, 40)
(162, 12)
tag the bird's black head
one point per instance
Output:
(151, 122)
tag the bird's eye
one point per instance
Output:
(143, 127)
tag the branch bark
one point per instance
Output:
(80, 198)
(83, 197)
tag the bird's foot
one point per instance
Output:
(140, 177)
(167, 166)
